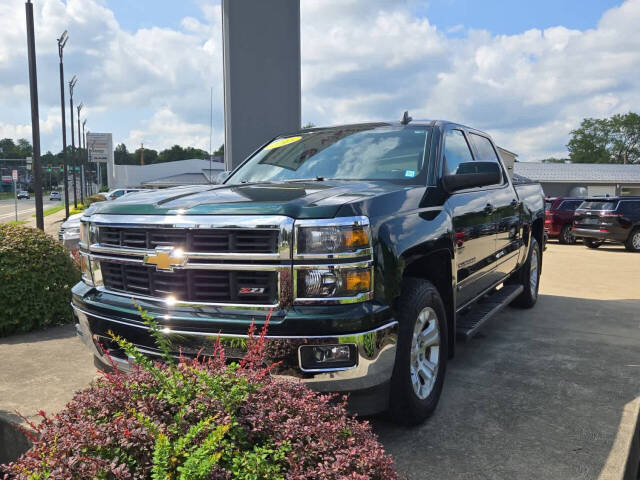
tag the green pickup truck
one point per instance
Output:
(371, 247)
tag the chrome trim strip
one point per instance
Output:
(335, 266)
(238, 335)
(201, 266)
(98, 248)
(184, 303)
(361, 297)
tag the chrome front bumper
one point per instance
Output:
(376, 353)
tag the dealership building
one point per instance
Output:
(582, 179)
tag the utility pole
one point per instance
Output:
(141, 153)
(35, 114)
(86, 158)
(79, 107)
(72, 83)
(62, 41)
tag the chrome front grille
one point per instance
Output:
(223, 260)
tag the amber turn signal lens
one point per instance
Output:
(355, 238)
(358, 280)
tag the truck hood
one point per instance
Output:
(313, 199)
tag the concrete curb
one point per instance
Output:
(13, 442)
(624, 459)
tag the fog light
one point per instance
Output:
(322, 357)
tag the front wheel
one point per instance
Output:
(422, 352)
(633, 242)
(591, 243)
(529, 277)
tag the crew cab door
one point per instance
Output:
(473, 222)
(506, 211)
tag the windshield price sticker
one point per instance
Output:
(281, 142)
(410, 173)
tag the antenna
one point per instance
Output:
(406, 118)
(210, 135)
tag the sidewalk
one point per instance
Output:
(51, 223)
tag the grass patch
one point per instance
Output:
(50, 211)
(17, 222)
(6, 196)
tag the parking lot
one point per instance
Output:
(539, 395)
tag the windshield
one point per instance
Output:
(361, 152)
(598, 206)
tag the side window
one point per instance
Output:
(484, 149)
(569, 205)
(457, 156)
(630, 208)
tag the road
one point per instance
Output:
(26, 208)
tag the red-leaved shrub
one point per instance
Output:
(202, 419)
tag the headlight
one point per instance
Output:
(335, 281)
(71, 232)
(341, 237)
(88, 233)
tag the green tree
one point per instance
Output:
(150, 156)
(220, 150)
(121, 156)
(609, 140)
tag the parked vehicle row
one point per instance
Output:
(594, 220)
(610, 219)
(370, 247)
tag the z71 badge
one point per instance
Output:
(250, 291)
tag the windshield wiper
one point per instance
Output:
(313, 179)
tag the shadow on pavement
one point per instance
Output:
(538, 395)
(50, 333)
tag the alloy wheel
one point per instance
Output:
(425, 353)
(533, 272)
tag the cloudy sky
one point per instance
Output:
(527, 71)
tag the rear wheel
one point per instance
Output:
(529, 277)
(591, 243)
(566, 235)
(633, 242)
(421, 356)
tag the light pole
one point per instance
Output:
(79, 107)
(35, 113)
(72, 83)
(86, 158)
(62, 41)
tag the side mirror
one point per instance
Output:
(472, 175)
(222, 176)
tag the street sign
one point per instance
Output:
(29, 162)
(14, 175)
(100, 147)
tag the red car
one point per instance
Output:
(558, 222)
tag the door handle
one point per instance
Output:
(488, 209)
(514, 203)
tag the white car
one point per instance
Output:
(69, 233)
(119, 192)
(55, 196)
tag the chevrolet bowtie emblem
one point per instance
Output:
(165, 258)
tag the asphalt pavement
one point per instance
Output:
(26, 208)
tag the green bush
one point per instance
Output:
(36, 277)
(93, 199)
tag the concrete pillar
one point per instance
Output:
(261, 46)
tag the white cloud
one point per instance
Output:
(361, 60)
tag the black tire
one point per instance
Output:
(633, 242)
(591, 243)
(406, 406)
(529, 295)
(566, 235)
